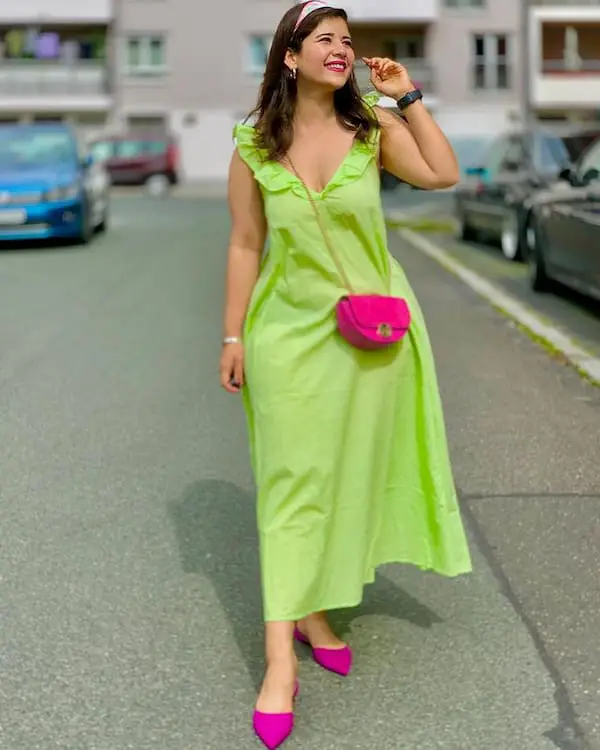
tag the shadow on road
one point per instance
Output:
(40, 246)
(216, 531)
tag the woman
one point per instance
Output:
(348, 446)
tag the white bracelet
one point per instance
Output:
(232, 340)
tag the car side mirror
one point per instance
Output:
(590, 176)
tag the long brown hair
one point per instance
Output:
(274, 112)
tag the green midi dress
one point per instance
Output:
(348, 447)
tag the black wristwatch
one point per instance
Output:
(409, 98)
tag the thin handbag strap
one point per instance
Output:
(325, 233)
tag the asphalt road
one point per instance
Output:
(129, 596)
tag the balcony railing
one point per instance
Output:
(420, 71)
(571, 67)
(27, 78)
(587, 3)
(376, 11)
(56, 11)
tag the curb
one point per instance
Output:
(586, 363)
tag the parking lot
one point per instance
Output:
(130, 596)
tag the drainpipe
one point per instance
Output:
(527, 115)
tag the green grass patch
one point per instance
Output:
(423, 224)
(556, 354)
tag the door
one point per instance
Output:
(573, 242)
(128, 164)
(583, 230)
(574, 224)
(561, 239)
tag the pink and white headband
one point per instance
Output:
(309, 8)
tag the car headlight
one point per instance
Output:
(63, 193)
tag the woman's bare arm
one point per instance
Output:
(246, 243)
(416, 151)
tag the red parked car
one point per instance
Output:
(139, 159)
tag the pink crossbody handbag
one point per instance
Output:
(367, 321)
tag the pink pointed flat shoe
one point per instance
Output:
(338, 660)
(274, 729)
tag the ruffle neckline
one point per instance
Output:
(275, 178)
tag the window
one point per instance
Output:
(464, 3)
(490, 61)
(133, 149)
(259, 46)
(403, 48)
(67, 44)
(470, 150)
(551, 153)
(494, 156)
(146, 55)
(514, 157)
(20, 148)
(102, 151)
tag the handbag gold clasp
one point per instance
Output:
(384, 330)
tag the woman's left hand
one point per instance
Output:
(389, 77)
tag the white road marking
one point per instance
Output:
(583, 360)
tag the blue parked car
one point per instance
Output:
(48, 189)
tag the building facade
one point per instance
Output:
(194, 68)
(564, 60)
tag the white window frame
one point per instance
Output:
(146, 66)
(491, 61)
(249, 64)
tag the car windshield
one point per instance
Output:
(21, 148)
(470, 150)
(102, 150)
(552, 153)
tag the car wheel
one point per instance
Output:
(87, 230)
(530, 236)
(510, 239)
(103, 225)
(158, 185)
(465, 231)
(539, 280)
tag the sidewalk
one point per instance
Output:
(566, 324)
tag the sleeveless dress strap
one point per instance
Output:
(243, 136)
(270, 175)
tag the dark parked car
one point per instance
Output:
(494, 200)
(141, 159)
(564, 234)
(467, 148)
